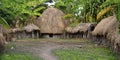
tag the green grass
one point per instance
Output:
(85, 54)
(18, 56)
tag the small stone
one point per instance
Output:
(96, 44)
(79, 46)
(12, 48)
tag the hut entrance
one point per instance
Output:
(51, 35)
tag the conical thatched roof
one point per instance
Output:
(31, 27)
(82, 27)
(52, 21)
(105, 25)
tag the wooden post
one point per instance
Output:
(37, 34)
(24, 35)
(32, 34)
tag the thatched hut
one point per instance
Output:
(69, 29)
(81, 30)
(72, 29)
(32, 30)
(15, 33)
(116, 45)
(84, 29)
(2, 42)
(104, 27)
(71, 32)
(29, 31)
(52, 23)
(107, 28)
(113, 41)
(5, 32)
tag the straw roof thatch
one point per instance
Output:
(117, 40)
(82, 27)
(52, 21)
(105, 25)
(2, 41)
(30, 28)
(3, 30)
(71, 29)
(14, 30)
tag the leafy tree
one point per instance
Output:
(16, 12)
(33, 9)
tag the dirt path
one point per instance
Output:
(46, 52)
(41, 48)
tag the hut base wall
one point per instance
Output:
(51, 35)
(76, 35)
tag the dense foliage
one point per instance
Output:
(18, 13)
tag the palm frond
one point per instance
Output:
(37, 14)
(4, 23)
(106, 3)
(39, 9)
(103, 12)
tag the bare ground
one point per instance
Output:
(42, 47)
